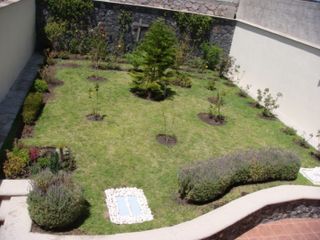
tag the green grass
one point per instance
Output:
(122, 150)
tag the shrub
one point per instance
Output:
(182, 80)
(16, 163)
(212, 83)
(289, 131)
(198, 63)
(41, 86)
(209, 180)
(48, 73)
(70, 10)
(212, 54)
(98, 51)
(56, 32)
(136, 59)
(31, 107)
(268, 102)
(55, 202)
(195, 25)
(158, 50)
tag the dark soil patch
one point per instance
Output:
(95, 78)
(95, 117)
(267, 117)
(302, 143)
(69, 65)
(37, 229)
(212, 119)
(316, 155)
(27, 131)
(255, 105)
(113, 67)
(167, 140)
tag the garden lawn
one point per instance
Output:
(122, 150)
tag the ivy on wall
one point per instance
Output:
(196, 27)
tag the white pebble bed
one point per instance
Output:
(312, 174)
(114, 213)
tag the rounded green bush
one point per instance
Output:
(209, 180)
(41, 86)
(55, 201)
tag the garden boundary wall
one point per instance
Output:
(270, 58)
(221, 8)
(17, 40)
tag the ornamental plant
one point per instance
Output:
(98, 45)
(94, 99)
(158, 50)
(212, 54)
(208, 180)
(17, 161)
(55, 201)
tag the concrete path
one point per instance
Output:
(287, 229)
(11, 105)
(198, 228)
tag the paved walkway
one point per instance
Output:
(287, 229)
(11, 104)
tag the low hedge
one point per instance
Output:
(208, 180)
(55, 202)
(31, 107)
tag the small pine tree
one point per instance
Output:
(158, 50)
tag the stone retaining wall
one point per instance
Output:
(221, 33)
(221, 8)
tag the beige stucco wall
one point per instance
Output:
(17, 40)
(271, 61)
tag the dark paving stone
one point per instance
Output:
(11, 105)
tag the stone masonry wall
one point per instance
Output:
(108, 13)
(222, 8)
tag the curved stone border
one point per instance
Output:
(203, 227)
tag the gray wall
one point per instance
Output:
(17, 40)
(295, 18)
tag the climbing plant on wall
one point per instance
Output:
(196, 26)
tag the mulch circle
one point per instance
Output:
(95, 117)
(95, 78)
(69, 65)
(167, 140)
(211, 119)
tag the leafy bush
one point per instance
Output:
(158, 50)
(70, 10)
(268, 102)
(55, 32)
(17, 160)
(55, 202)
(209, 180)
(41, 86)
(195, 25)
(31, 107)
(182, 80)
(198, 63)
(135, 59)
(212, 54)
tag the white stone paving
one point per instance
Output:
(113, 206)
(312, 174)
